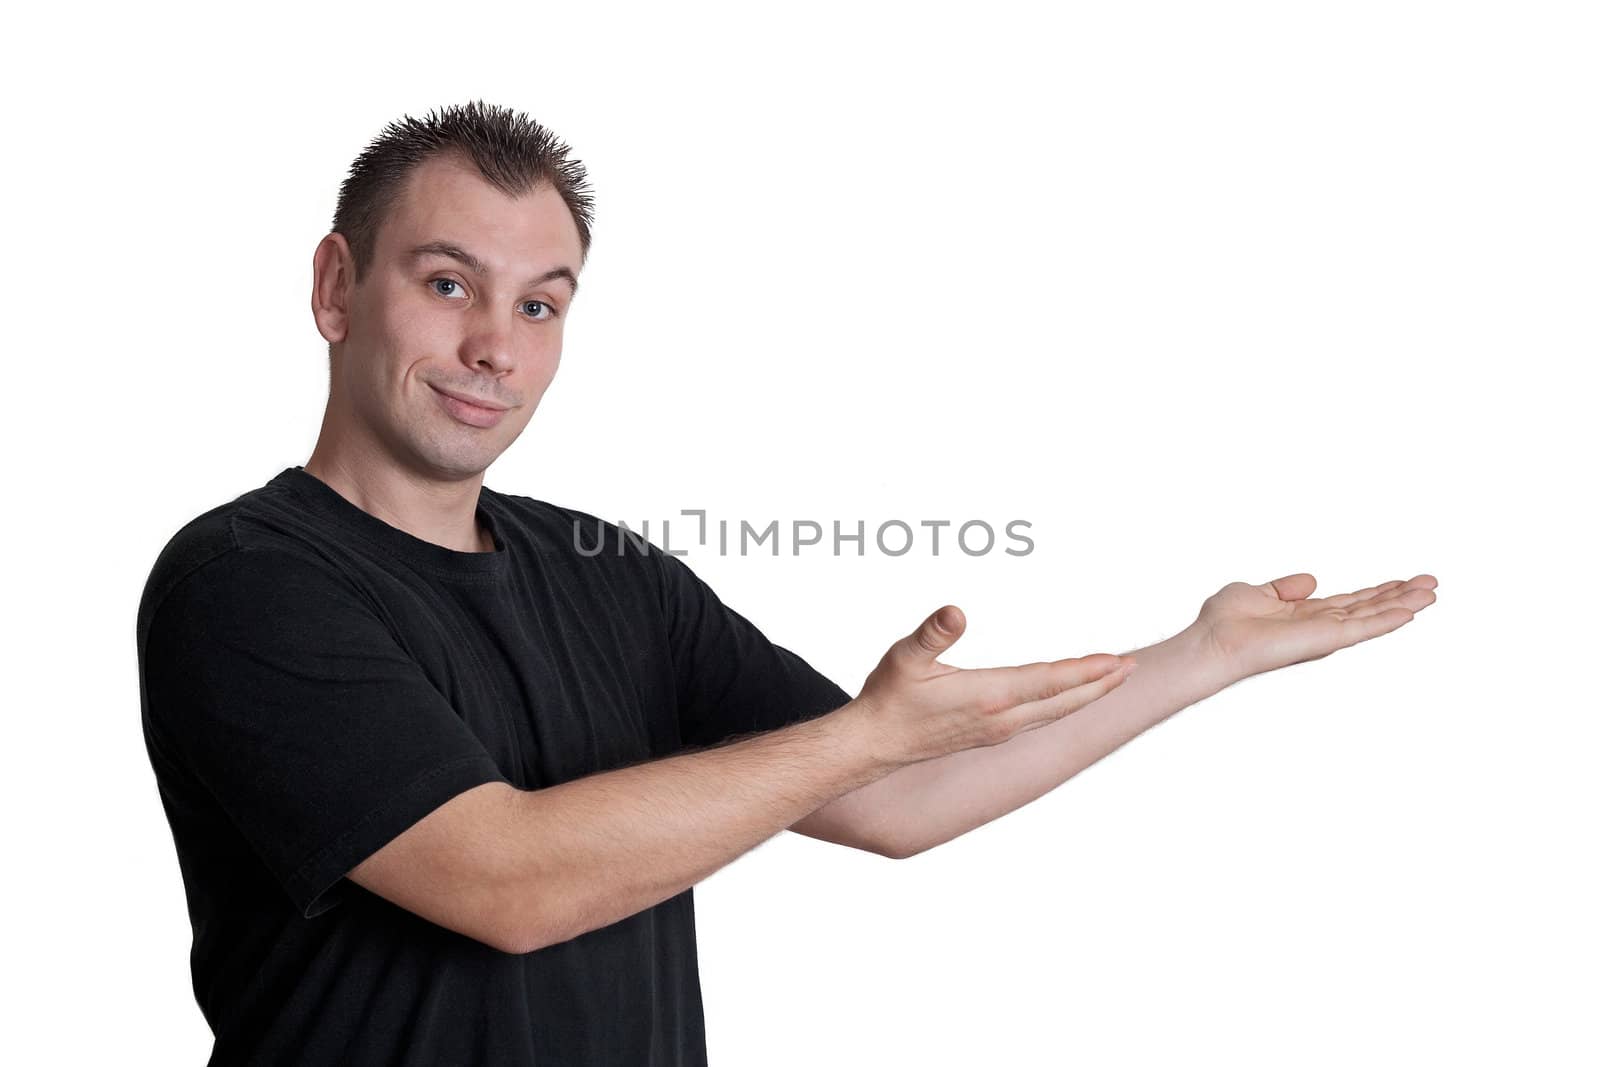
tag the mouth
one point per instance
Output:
(468, 409)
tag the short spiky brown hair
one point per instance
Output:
(510, 150)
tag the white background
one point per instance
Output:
(1204, 292)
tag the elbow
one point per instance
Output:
(533, 937)
(897, 850)
(902, 847)
(512, 933)
(523, 894)
(536, 915)
(525, 934)
(520, 946)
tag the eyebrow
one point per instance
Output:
(478, 266)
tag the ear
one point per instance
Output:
(332, 281)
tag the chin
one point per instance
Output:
(454, 462)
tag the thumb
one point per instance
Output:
(938, 632)
(1290, 586)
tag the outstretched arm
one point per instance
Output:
(1240, 631)
(524, 869)
(929, 803)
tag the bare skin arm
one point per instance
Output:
(924, 805)
(523, 869)
(1241, 631)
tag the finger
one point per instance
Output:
(1355, 631)
(1007, 687)
(1421, 581)
(936, 634)
(1290, 586)
(1346, 599)
(1036, 713)
(1413, 600)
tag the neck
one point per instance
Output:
(440, 512)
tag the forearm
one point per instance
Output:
(928, 803)
(595, 850)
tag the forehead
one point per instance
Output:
(446, 199)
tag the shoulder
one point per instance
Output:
(244, 549)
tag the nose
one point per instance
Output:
(487, 344)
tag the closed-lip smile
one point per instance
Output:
(468, 398)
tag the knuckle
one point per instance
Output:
(993, 703)
(993, 728)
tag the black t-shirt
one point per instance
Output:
(314, 681)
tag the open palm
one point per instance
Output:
(1257, 628)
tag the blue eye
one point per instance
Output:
(550, 311)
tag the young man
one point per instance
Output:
(441, 776)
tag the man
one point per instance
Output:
(441, 777)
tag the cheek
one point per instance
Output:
(409, 326)
(412, 338)
(552, 348)
(547, 366)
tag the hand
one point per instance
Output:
(919, 708)
(1253, 629)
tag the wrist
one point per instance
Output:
(860, 731)
(1203, 660)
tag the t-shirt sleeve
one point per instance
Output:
(731, 679)
(281, 692)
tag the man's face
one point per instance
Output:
(423, 323)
